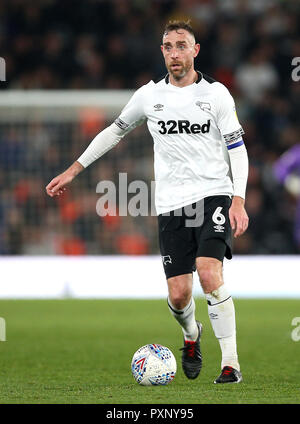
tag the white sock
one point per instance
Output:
(222, 317)
(186, 318)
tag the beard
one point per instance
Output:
(180, 70)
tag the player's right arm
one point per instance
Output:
(131, 116)
(57, 186)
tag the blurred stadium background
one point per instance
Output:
(72, 66)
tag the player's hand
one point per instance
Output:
(57, 186)
(238, 216)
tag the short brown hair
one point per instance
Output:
(176, 25)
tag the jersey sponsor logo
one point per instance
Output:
(183, 126)
(158, 107)
(203, 105)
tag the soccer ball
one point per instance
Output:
(153, 365)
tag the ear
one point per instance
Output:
(197, 49)
(162, 49)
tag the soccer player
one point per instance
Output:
(192, 120)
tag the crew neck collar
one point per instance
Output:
(200, 76)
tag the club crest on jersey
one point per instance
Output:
(203, 105)
(166, 259)
(158, 107)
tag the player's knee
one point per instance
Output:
(179, 299)
(179, 293)
(210, 277)
(206, 272)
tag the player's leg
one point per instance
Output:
(214, 244)
(182, 305)
(220, 309)
(178, 254)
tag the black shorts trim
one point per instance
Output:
(215, 248)
(175, 273)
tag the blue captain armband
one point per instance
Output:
(234, 144)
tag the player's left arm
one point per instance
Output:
(239, 168)
(232, 133)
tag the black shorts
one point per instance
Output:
(184, 236)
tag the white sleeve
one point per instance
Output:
(227, 119)
(239, 170)
(131, 116)
(133, 113)
(231, 132)
(101, 144)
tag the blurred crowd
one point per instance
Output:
(95, 44)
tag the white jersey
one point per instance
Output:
(190, 127)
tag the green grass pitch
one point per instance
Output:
(79, 351)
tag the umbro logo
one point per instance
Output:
(158, 107)
(219, 228)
